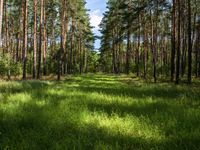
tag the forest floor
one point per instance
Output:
(99, 112)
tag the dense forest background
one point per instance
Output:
(154, 39)
(45, 37)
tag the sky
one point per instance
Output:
(97, 8)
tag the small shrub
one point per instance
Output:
(9, 67)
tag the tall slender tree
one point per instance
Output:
(35, 39)
(45, 42)
(189, 44)
(173, 52)
(178, 43)
(25, 36)
(41, 38)
(1, 18)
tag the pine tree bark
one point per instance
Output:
(1, 20)
(145, 52)
(114, 70)
(128, 52)
(35, 40)
(178, 43)
(154, 45)
(62, 41)
(44, 41)
(41, 38)
(189, 44)
(25, 37)
(173, 52)
(72, 47)
(138, 50)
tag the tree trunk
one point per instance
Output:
(25, 38)
(45, 44)
(35, 40)
(138, 51)
(189, 44)
(178, 44)
(71, 67)
(1, 20)
(41, 39)
(63, 38)
(128, 52)
(173, 52)
(145, 52)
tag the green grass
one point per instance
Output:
(99, 112)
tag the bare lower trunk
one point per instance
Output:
(173, 52)
(45, 41)
(41, 39)
(178, 44)
(1, 18)
(35, 40)
(25, 38)
(189, 44)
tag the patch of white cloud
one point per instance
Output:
(96, 7)
(95, 19)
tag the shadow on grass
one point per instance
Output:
(42, 127)
(116, 86)
(138, 92)
(160, 114)
(51, 126)
(38, 128)
(22, 86)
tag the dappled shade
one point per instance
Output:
(99, 112)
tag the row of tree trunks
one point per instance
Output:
(23, 38)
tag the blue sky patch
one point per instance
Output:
(97, 8)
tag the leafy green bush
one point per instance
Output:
(9, 67)
(16, 69)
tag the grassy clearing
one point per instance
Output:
(99, 112)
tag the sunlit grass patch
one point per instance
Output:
(99, 112)
(127, 125)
